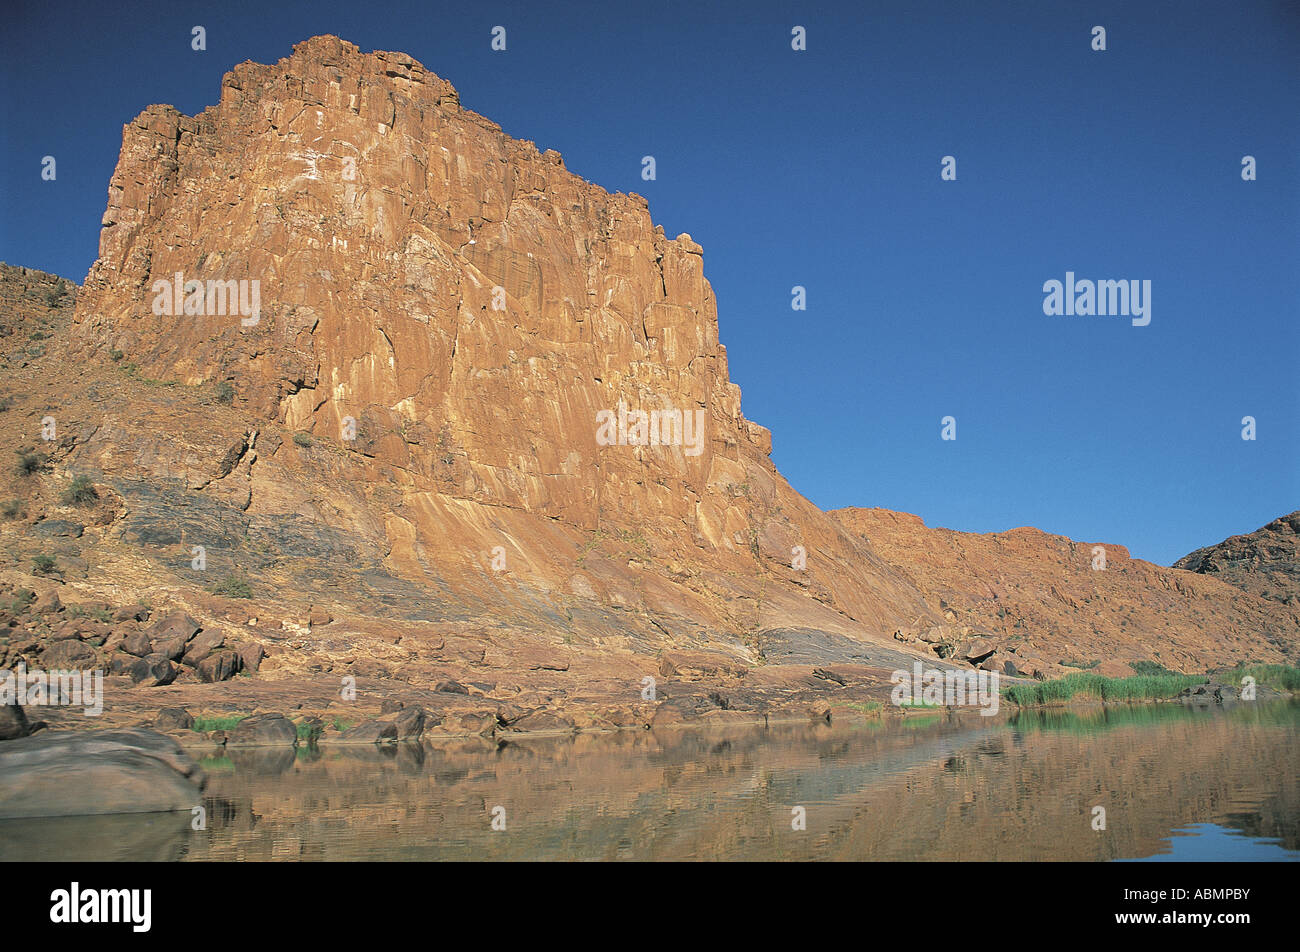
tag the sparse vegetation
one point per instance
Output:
(225, 393)
(22, 600)
(13, 509)
(234, 585)
(30, 462)
(866, 707)
(80, 493)
(43, 564)
(1149, 668)
(302, 439)
(132, 371)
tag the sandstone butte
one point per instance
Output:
(472, 535)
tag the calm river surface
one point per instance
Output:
(1174, 783)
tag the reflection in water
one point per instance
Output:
(1175, 784)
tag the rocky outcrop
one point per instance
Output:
(1265, 562)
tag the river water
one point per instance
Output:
(1174, 783)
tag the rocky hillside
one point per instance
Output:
(1265, 562)
(1050, 600)
(356, 387)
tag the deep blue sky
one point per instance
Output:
(821, 168)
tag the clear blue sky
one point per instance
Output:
(822, 169)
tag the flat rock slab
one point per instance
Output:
(84, 773)
(810, 646)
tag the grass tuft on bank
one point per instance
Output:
(1145, 687)
(1282, 677)
(1140, 687)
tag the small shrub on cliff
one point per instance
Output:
(1149, 668)
(22, 600)
(13, 509)
(54, 297)
(234, 585)
(225, 393)
(29, 462)
(80, 493)
(43, 564)
(302, 439)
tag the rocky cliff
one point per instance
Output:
(444, 313)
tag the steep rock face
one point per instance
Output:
(1041, 595)
(1265, 562)
(470, 306)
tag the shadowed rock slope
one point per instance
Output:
(1265, 562)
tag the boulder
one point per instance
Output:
(220, 665)
(171, 648)
(369, 732)
(202, 645)
(69, 654)
(250, 656)
(137, 643)
(72, 773)
(410, 723)
(152, 671)
(174, 624)
(263, 730)
(977, 649)
(173, 719)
